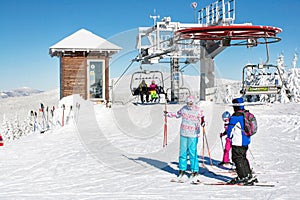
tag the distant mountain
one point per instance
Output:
(24, 91)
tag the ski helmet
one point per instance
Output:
(238, 104)
(226, 115)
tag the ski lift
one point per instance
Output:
(261, 82)
(148, 76)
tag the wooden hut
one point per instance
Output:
(84, 65)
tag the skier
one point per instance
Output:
(192, 119)
(239, 142)
(144, 91)
(226, 161)
(153, 91)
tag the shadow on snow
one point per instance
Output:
(202, 170)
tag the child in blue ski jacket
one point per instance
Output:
(192, 118)
(239, 142)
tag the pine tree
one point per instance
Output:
(293, 81)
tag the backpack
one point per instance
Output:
(250, 123)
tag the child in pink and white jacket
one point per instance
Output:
(192, 118)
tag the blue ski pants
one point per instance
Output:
(188, 147)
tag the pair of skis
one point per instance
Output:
(229, 173)
(196, 181)
(259, 184)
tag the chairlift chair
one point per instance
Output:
(254, 88)
(148, 76)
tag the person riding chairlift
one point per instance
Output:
(143, 88)
(153, 91)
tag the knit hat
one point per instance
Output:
(190, 98)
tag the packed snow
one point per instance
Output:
(76, 149)
(117, 153)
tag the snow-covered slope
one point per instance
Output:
(20, 106)
(117, 153)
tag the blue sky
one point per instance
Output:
(29, 28)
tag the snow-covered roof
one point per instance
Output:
(83, 40)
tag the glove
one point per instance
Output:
(202, 122)
(165, 113)
(221, 135)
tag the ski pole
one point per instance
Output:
(35, 121)
(222, 143)
(63, 115)
(47, 118)
(203, 150)
(165, 127)
(43, 115)
(207, 146)
(251, 154)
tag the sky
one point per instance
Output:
(29, 28)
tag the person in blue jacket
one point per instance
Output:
(239, 142)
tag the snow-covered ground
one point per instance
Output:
(117, 153)
(20, 106)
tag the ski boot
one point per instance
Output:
(181, 176)
(249, 180)
(226, 164)
(194, 174)
(235, 180)
(221, 163)
(195, 178)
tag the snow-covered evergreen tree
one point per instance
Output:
(283, 95)
(293, 82)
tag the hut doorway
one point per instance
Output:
(96, 79)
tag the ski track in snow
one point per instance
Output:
(60, 165)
